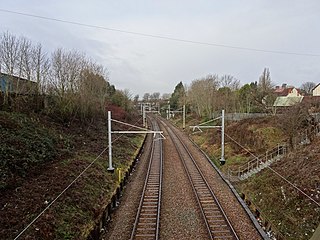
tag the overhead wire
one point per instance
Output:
(209, 121)
(158, 36)
(128, 124)
(65, 189)
(59, 195)
(247, 150)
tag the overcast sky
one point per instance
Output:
(144, 64)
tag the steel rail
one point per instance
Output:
(147, 220)
(216, 220)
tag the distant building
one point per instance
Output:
(287, 101)
(14, 84)
(316, 90)
(287, 96)
(290, 96)
(285, 91)
(314, 100)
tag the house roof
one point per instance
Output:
(316, 86)
(279, 90)
(287, 101)
(14, 84)
(285, 91)
(14, 77)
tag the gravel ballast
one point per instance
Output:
(242, 224)
(122, 219)
(180, 214)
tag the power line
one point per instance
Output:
(274, 171)
(161, 36)
(64, 190)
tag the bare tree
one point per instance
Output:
(294, 121)
(155, 96)
(308, 87)
(41, 67)
(230, 82)
(65, 81)
(9, 49)
(146, 97)
(123, 99)
(25, 58)
(202, 95)
(92, 94)
(264, 96)
(77, 86)
(66, 71)
(265, 83)
(165, 96)
(227, 98)
(136, 99)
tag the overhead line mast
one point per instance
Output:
(140, 131)
(201, 125)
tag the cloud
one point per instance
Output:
(143, 64)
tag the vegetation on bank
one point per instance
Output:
(290, 213)
(66, 85)
(41, 157)
(51, 133)
(52, 126)
(26, 143)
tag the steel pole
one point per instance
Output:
(144, 115)
(141, 106)
(110, 168)
(184, 117)
(222, 160)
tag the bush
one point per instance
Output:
(24, 144)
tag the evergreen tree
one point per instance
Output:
(177, 96)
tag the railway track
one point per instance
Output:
(217, 223)
(147, 220)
